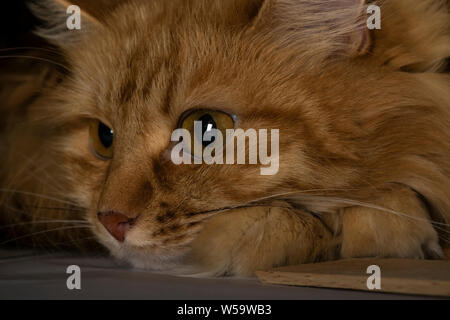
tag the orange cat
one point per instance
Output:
(363, 118)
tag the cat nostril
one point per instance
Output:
(116, 223)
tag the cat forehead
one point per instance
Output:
(126, 60)
(149, 55)
(142, 62)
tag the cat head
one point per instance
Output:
(139, 69)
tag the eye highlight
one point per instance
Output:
(210, 119)
(101, 139)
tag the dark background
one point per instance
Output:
(16, 25)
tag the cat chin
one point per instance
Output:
(178, 261)
(164, 260)
(167, 261)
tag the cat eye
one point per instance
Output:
(101, 139)
(210, 119)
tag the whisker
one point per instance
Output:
(275, 196)
(43, 232)
(74, 241)
(38, 172)
(380, 208)
(39, 196)
(344, 201)
(28, 213)
(36, 58)
(59, 209)
(201, 214)
(43, 222)
(303, 195)
(62, 209)
(259, 201)
(31, 48)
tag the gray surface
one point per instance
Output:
(28, 275)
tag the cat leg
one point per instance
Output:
(368, 232)
(258, 238)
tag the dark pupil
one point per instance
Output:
(207, 123)
(106, 135)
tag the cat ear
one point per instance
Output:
(331, 27)
(414, 38)
(64, 21)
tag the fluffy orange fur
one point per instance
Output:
(364, 123)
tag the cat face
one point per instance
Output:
(144, 91)
(137, 82)
(139, 72)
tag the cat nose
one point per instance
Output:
(116, 223)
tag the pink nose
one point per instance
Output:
(116, 223)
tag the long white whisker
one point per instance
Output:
(74, 241)
(30, 49)
(36, 58)
(43, 232)
(39, 196)
(274, 196)
(377, 207)
(43, 222)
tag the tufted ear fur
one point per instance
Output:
(54, 15)
(414, 35)
(329, 28)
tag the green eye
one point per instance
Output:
(102, 140)
(210, 119)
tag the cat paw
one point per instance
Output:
(259, 238)
(403, 230)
